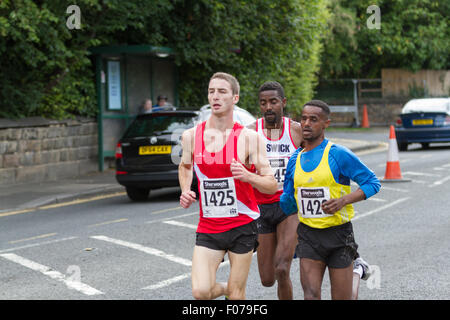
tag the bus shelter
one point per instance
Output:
(127, 75)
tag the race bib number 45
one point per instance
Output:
(279, 170)
(310, 201)
(218, 198)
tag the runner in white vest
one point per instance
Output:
(276, 231)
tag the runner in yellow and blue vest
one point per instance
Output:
(317, 186)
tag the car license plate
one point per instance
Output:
(146, 150)
(422, 122)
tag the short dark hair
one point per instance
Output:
(321, 104)
(234, 83)
(272, 85)
(162, 97)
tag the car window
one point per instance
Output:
(426, 105)
(240, 115)
(244, 118)
(158, 125)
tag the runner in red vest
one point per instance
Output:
(276, 231)
(229, 161)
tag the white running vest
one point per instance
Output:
(278, 153)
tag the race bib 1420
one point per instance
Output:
(310, 201)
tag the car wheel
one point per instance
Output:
(402, 146)
(137, 194)
(425, 145)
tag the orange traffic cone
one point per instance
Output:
(393, 173)
(365, 119)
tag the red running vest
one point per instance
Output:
(225, 203)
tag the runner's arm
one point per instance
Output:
(287, 199)
(263, 180)
(296, 133)
(185, 173)
(346, 165)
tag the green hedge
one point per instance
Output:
(46, 68)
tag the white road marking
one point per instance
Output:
(37, 244)
(377, 199)
(168, 282)
(181, 224)
(72, 284)
(439, 182)
(179, 278)
(166, 210)
(421, 174)
(147, 250)
(171, 218)
(381, 208)
(107, 222)
(441, 169)
(383, 187)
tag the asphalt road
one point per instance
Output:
(112, 248)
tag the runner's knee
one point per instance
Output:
(282, 271)
(311, 293)
(283, 267)
(267, 281)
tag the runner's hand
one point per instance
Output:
(187, 198)
(333, 205)
(238, 171)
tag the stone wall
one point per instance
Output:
(380, 113)
(36, 149)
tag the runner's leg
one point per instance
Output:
(341, 280)
(265, 255)
(205, 262)
(286, 243)
(311, 277)
(355, 286)
(239, 268)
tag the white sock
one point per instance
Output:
(359, 271)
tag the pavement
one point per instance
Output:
(25, 196)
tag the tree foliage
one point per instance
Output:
(46, 69)
(414, 35)
(272, 41)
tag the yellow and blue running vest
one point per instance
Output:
(315, 187)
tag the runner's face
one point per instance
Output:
(220, 96)
(271, 105)
(314, 122)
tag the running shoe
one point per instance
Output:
(366, 270)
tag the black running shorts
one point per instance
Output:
(271, 216)
(335, 246)
(242, 239)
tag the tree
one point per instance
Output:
(413, 35)
(254, 40)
